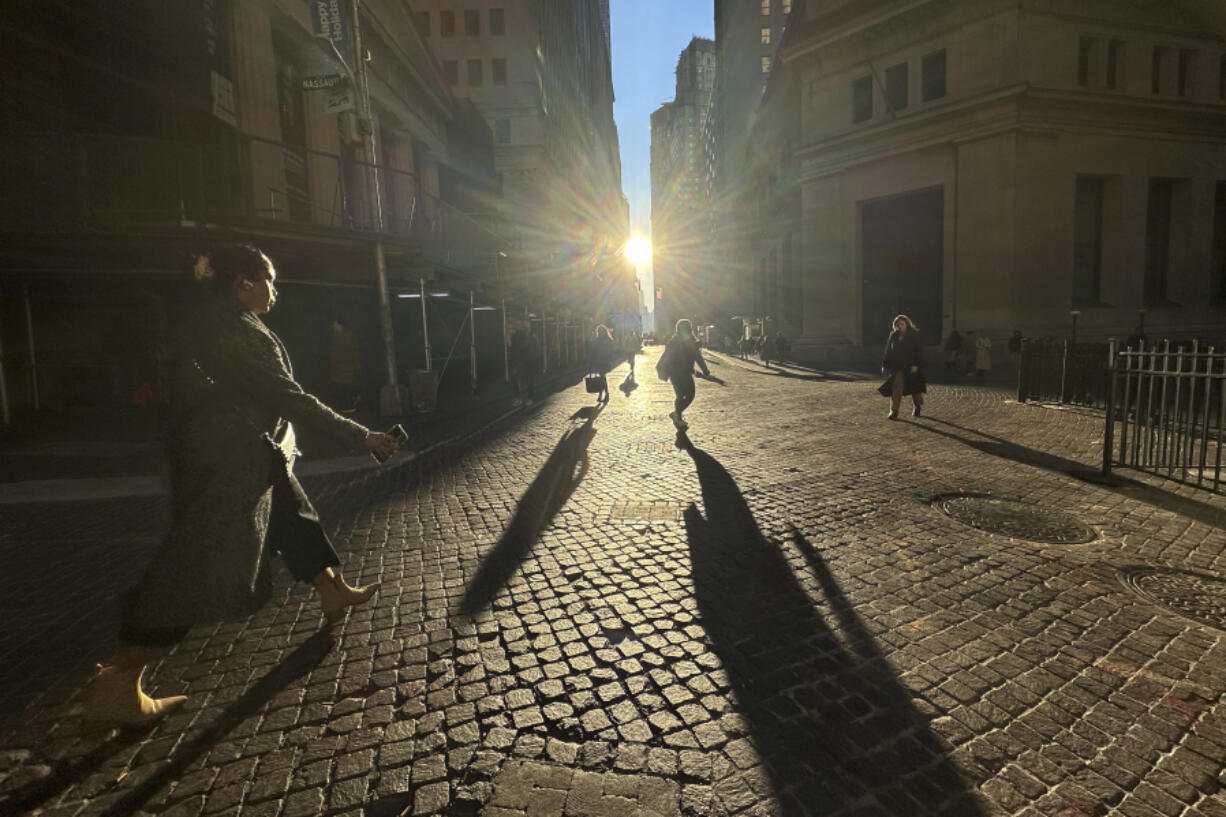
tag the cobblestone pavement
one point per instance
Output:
(800, 609)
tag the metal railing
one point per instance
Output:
(1170, 408)
(1063, 371)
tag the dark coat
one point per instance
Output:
(213, 564)
(603, 355)
(902, 351)
(683, 356)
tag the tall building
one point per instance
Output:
(747, 36)
(993, 165)
(678, 189)
(540, 73)
(142, 135)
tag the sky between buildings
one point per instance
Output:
(648, 36)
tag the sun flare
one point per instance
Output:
(638, 250)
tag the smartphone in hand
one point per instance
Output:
(401, 437)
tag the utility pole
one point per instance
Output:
(390, 402)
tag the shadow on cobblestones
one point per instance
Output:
(834, 727)
(1149, 494)
(553, 485)
(301, 661)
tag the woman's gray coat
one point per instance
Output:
(232, 384)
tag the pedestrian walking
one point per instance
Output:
(602, 357)
(676, 365)
(630, 348)
(953, 349)
(770, 350)
(524, 354)
(983, 356)
(903, 365)
(235, 498)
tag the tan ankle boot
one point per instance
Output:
(337, 596)
(117, 702)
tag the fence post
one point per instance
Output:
(1023, 372)
(1064, 396)
(1109, 431)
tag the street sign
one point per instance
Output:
(340, 100)
(321, 82)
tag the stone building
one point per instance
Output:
(747, 37)
(994, 165)
(540, 73)
(680, 227)
(145, 133)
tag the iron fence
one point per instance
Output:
(1169, 404)
(1063, 371)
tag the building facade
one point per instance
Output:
(540, 73)
(992, 165)
(680, 213)
(747, 37)
(144, 135)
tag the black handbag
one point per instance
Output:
(595, 384)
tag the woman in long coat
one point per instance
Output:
(676, 364)
(903, 362)
(235, 499)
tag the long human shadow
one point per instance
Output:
(833, 725)
(1117, 484)
(301, 661)
(553, 485)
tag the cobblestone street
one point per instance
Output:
(800, 609)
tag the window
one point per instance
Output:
(787, 6)
(472, 22)
(1157, 240)
(422, 19)
(451, 71)
(1085, 50)
(1160, 57)
(766, 8)
(502, 131)
(766, 65)
(1187, 72)
(896, 87)
(1218, 264)
(862, 99)
(446, 23)
(1088, 241)
(498, 71)
(932, 76)
(474, 72)
(766, 36)
(497, 23)
(1115, 55)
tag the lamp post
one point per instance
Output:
(1074, 313)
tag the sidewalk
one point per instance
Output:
(128, 464)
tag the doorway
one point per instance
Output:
(902, 262)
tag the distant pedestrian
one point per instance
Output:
(344, 368)
(233, 492)
(1015, 345)
(983, 356)
(523, 355)
(770, 350)
(903, 364)
(602, 357)
(676, 365)
(630, 346)
(953, 349)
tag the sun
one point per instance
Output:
(638, 250)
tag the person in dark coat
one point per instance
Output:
(680, 356)
(602, 357)
(903, 362)
(235, 499)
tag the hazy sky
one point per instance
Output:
(648, 36)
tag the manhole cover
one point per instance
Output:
(1197, 596)
(1017, 520)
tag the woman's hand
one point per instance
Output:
(914, 369)
(381, 446)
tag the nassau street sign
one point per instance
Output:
(321, 82)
